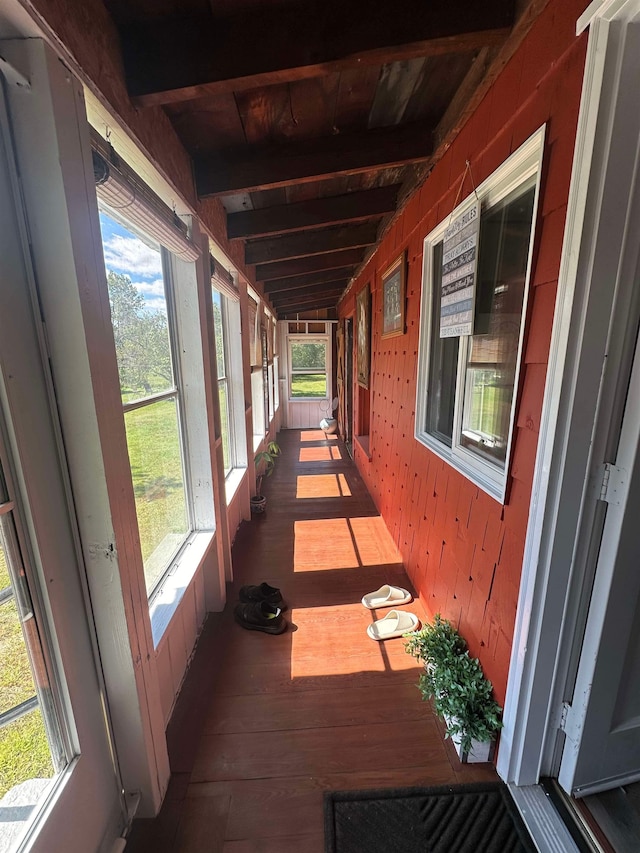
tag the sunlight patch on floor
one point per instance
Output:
(342, 543)
(316, 435)
(320, 454)
(373, 541)
(322, 486)
(323, 544)
(343, 647)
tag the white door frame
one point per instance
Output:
(589, 343)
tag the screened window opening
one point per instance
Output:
(490, 367)
(443, 366)
(467, 385)
(308, 360)
(141, 312)
(224, 390)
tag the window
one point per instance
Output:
(308, 368)
(466, 385)
(32, 744)
(138, 275)
(224, 389)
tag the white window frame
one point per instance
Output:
(232, 346)
(522, 166)
(173, 393)
(310, 339)
(224, 378)
(182, 282)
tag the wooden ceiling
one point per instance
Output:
(312, 121)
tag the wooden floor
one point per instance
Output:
(265, 724)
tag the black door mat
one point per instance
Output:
(478, 818)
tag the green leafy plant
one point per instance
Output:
(461, 693)
(435, 643)
(265, 462)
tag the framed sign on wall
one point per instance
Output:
(393, 298)
(363, 335)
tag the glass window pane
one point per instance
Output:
(225, 424)
(16, 679)
(308, 356)
(24, 754)
(153, 438)
(138, 311)
(219, 334)
(443, 365)
(309, 385)
(505, 235)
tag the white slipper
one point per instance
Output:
(386, 596)
(395, 624)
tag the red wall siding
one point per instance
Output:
(462, 549)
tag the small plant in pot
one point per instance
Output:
(265, 462)
(462, 695)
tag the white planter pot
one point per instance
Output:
(480, 752)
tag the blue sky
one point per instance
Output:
(126, 253)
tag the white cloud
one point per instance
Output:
(131, 256)
(156, 303)
(151, 288)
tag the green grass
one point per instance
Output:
(309, 385)
(4, 571)
(156, 469)
(16, 681)
(225, 426)
(24, 751)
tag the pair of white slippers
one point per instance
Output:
(396, 622)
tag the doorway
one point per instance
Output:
(570, 702)
(74, 798)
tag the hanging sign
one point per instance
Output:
(459, 262)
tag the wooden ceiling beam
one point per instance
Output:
(343, 274)
(251, 170)
(190, 56)
(314, 290)
(330, 311)
(314, 263)
(310, 243)
(309, 304)
(307, 215)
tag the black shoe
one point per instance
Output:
(260, 616)
(264, 592)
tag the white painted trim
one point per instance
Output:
(232, 482)
(166, 602)
(550, 589)
(605, 10)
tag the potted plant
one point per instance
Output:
(462, 695)
(265, 462)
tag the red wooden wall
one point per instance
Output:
(462, 549)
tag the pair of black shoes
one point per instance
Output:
(260, 609)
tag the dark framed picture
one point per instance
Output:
(393, 298)
(363, 335)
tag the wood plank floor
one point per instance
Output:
(264, 724)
